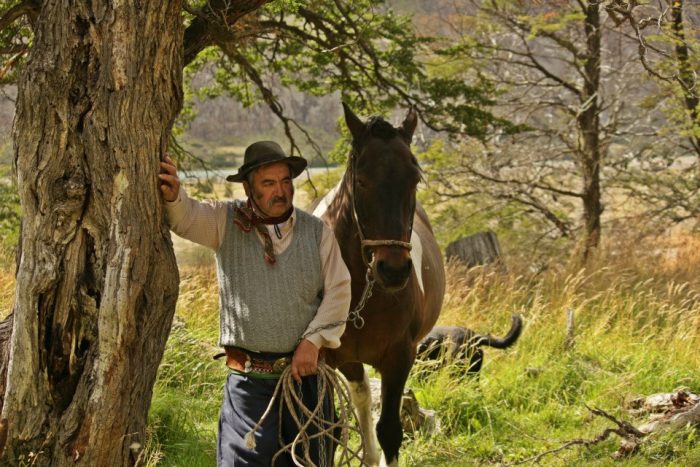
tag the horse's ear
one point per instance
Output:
(408, 126)
(354, 124)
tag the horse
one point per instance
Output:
(398, 276)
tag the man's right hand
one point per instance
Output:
(169, 182)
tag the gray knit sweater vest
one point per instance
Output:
(267, 307)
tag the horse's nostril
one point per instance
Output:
(392, 272)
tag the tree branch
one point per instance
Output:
(29, 8)
(216, 16)
(624, 429)
(272, 102)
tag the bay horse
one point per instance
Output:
(398, 277)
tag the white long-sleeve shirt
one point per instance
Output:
(204, 222)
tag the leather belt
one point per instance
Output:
(240, 360)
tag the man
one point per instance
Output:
(284, 295)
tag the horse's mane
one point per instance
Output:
(377, 126)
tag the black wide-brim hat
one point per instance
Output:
(263, 153)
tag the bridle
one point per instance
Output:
(368, 244)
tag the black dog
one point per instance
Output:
(457, 344)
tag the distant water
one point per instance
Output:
(221, 173)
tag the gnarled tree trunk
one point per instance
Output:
(97, 282)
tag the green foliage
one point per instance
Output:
(10, 211)
(552, 21)
(320, 53)
(474, 209)
(15, 40)
(672, 58)
(281, 6)
(343, 145)
(465, 105)
(362, 50)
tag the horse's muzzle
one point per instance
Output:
(393, 275)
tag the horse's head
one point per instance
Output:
(384, 176)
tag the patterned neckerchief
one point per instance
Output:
(247, 219)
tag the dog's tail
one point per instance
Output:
(505, 342)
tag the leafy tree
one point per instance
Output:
(559, 71)
(100, 86)
(667, 178)
(667, 35)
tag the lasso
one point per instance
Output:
(329, 382)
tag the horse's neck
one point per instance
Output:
(340, 211)
(345, 229)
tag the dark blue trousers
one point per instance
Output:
(245, 400)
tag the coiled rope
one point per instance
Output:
(314, 419)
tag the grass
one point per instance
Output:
(636, 333)
(637, 322)
(184, 413)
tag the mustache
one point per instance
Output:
(275, 199)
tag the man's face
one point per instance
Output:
(272, 189)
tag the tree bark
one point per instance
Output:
(474, 250)
(686, 74)
(5, 334)
(588, 121)
(97, 282)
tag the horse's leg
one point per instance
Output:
(362, 400)
(394, 371)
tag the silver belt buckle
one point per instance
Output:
(280, 364)
(247, 366)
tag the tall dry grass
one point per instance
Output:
(636, 332)
(649, 283)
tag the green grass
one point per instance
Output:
(637, 330)
(184, 412)
(636, 333)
